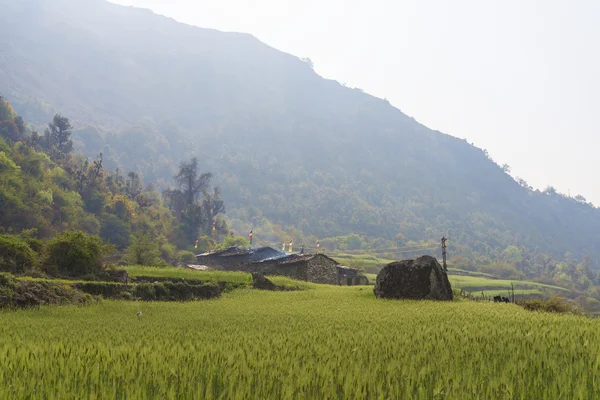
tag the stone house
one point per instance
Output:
(316, 268)
(351, 276)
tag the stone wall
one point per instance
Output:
(322, 270)
(317, 268)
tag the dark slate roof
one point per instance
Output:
(264, 253)
(232, 251)
(296, 258)
(259, 254)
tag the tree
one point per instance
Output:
(73, 254)
(192, 183)
(309, 62)
(21, 125)
(235, 241)
(580, 199)
(116, 231)
(16, 256)
(512, 255)
(213, 206)
(133, 186)
(58, 135)
(192, 203)
(6, 111)
(523, 183)
(352, 242)
(9, 130)
(506, 168)
(142, 251)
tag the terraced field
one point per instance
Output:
(326, 342)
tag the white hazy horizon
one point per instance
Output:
(520, 78)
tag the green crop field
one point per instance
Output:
(480, 284)
(322, 343)
(223, 276)
(495, 287)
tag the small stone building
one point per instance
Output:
(316, 268)
(351, 276)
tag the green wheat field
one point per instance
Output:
(321, 343)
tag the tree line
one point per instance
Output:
(50, 196)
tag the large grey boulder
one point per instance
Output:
(423, 278)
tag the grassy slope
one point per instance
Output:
(331, 342)
(478, 284)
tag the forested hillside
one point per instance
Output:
(293, 153)
(50, 196)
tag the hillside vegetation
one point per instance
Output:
(64, 216)
(295, 155)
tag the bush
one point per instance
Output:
(6, 280)
(556, 304)
(186, 257)
(142, 251)
(35, 244)
(161, 291)
(234, 241)
(73, 254)
(168, 253)
(16, 256)
(145, 291)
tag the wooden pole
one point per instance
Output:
(444, 253)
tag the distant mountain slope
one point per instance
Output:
(287, 145)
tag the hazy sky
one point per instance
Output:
(520, 78)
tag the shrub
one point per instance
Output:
(168, 253)
(234, 241)
(556, 304)
(161, 291)
(35, 244)
(6, 280)
(15, 255)
(142, 251)
(145, 291)
(186, 257)
(73, 254)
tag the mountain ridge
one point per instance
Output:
(289, 147)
